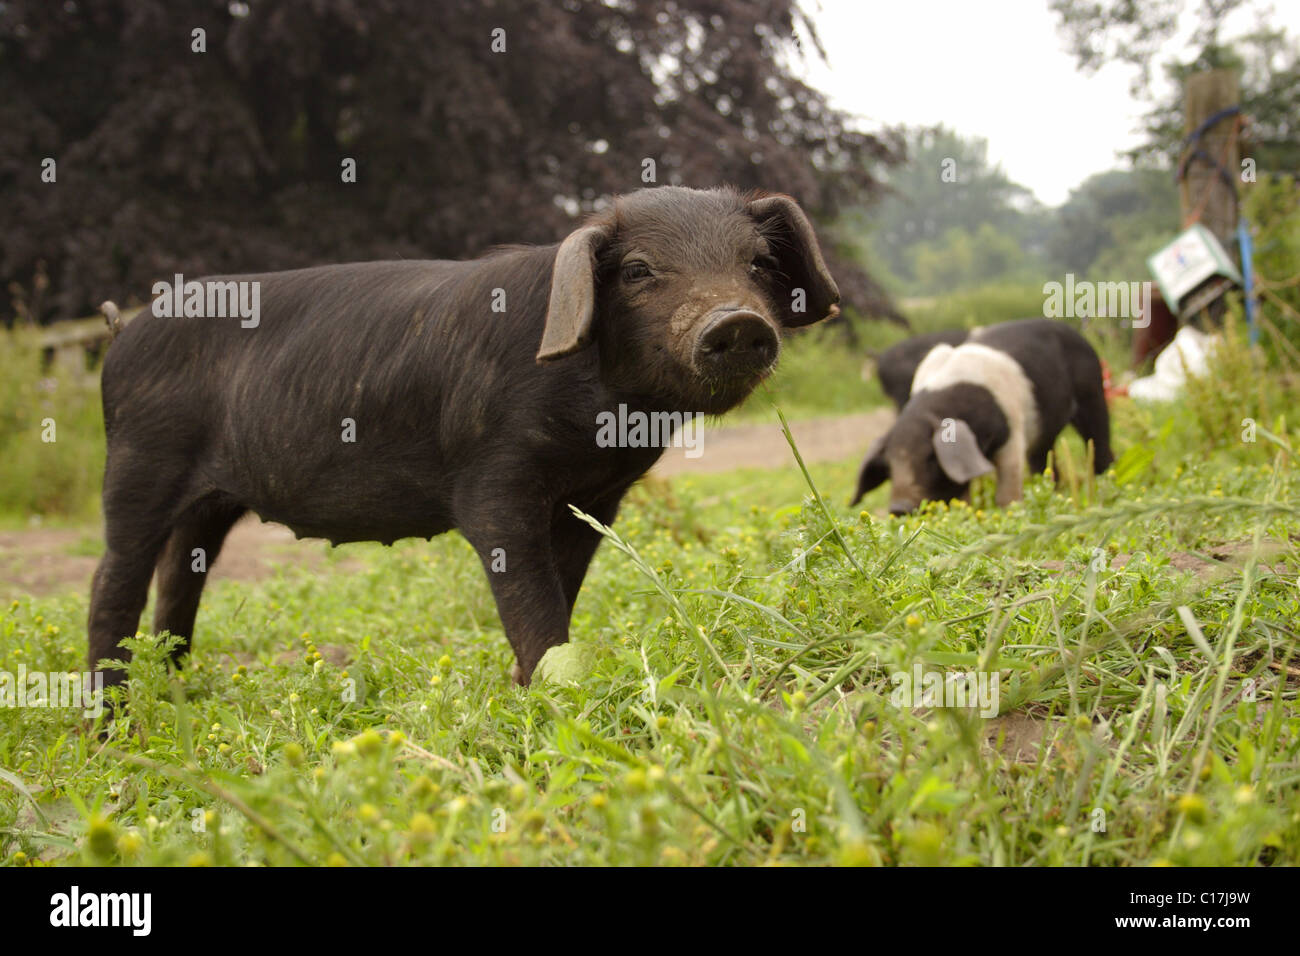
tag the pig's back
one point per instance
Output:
(381, 377)
(324, 336)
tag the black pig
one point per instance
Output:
(471, 390)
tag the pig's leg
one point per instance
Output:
(1038, 461)
(180, 586)
(515, 549)
(574, 542)
(138, 499)
(1092, 421)
(1009, 463)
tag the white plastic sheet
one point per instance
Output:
(1187, 355)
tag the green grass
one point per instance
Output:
(819, 375)
(1000, 302)
(51, 437)
(727, 697)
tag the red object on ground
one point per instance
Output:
(1108, 387)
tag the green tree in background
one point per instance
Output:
(470, 124)
(1113, 221)
(932, 237)
(1266, 58)
(1268, 63)
(963, 258)
(949, 217)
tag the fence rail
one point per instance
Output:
(78, 344)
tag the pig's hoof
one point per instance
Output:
(520, 678)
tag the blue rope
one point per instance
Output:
(1248, 277)
(1194, 136)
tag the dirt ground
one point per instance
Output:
(40, 561)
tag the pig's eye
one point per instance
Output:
(764, 264)
(636, 271)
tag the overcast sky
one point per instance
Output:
(994, 68)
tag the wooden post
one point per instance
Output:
(1204, 196)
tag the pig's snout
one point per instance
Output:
(899, 508)
(734, 343)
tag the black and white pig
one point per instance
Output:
(993, 402)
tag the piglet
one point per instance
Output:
(386, 400)
(993, 402)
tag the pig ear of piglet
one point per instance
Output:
(875, 469)
(811, 292)
(572, 305)
(959, 451)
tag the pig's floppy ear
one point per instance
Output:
(573, 294)
(811, 292)
(959, 452)
(875, 470)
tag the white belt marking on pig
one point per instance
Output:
(973, 364)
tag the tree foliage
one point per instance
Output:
(171, 160)
(951, 219)
(954, 222)
(943, 196)
(1113, 221)
(1268, 63)
(1135, 31)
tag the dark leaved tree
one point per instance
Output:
(171, 160)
